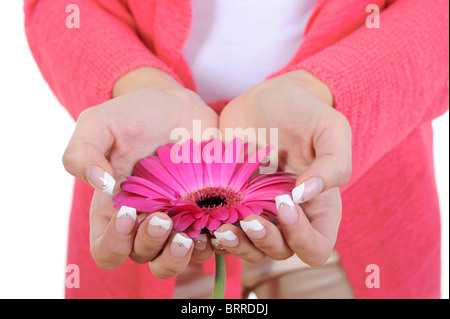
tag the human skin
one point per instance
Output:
(148, 103)
(314, 142)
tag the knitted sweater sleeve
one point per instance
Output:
(82, 64)
(388, 81)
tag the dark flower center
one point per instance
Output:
(214, 197)
(211, 202)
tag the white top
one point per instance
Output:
(235, 44)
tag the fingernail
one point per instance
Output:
(216, 243)
(125, 220)
(200, 242)
(307, 190)
(227, 238)
(100, 179)
(286, 199)
(287, 213)
(180, 246)
(157, 227)
(253, 229)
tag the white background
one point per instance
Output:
(35, 191)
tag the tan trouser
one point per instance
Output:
(287, 279)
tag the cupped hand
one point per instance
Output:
(314, 142)
(107, 142)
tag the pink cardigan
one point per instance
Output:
(389, 82)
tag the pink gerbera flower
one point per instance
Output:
(207, 185)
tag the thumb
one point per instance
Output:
(85, 157)
(331, 168)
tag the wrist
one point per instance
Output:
(312, 84)
(144, 77)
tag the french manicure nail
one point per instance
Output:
(201, 242)
(253, 228)
(100, 179)
(227, 238)
(157, 227)
(287, 214)
(307, 190)
(286, 199)
(252, 225)
(125, 220)
(180, 246)
(297, 193)
(216, 243)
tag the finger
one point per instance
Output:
(202, 249)
(174, 258)
(217, 247)
(151, 237)
(85, 155)
(311, 235)
(112, 238)
(236, 242)
(266, 237)
(332, 165)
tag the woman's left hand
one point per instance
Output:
(314, 142)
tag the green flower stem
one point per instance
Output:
(219, 284)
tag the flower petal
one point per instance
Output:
(264, 204)
(164, 153)
(141, 204)
(213, 224)
(221, 213)
(153, 188)
(251, 164)
(190, 167)
(151, 168)
(192, 233)
(185, 222)
(233, 217)
(231, 157)
(243, 211)
(212, 161)
(197, 225)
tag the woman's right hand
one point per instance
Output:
(107, 142)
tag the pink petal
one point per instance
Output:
(150, 185)
(221, 213)
(197, 164)
(192, 233)
(231, 157)
(197, 225)
(158, 173)
(212, 162)
(185, 222)
(243, 211)
(255, 208)
(251, 164)
(213, 224)
(166, 160)
(142, 190)
(284, 179)
(185, 207)
(191, 168)
(233, 216)
(204, 220)
(142, 204)
(268, 193)
(184, 167)
(264, 204)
